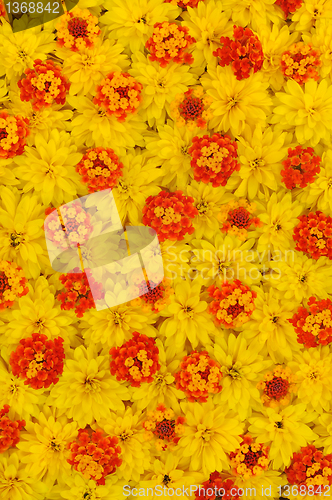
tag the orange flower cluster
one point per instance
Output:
(289, 6)
(79, 290)
(100, 169)
(162, 424)
(300, 167)
(94, 455)
(119, 94)
(170, 214)
(170, 42)
(314, 235)
(314, 326)
(43, 85)
(310, 470)
(216, 488)
(9, 430)
(38, 360)
(13, 133)
(74, 228)
(244, 53)
(2, 9)
(77, 30)
(214, 159)
(251, 459)
(300, 62)
(184, 4)
(192, 109)
(136, 361)
(151, 297)
(199, 376)
(277, 387)
(13, 283)
(232, 304)
(237, 218)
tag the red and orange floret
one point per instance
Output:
(277, 386)
(163, 425)
(214, 159)
(43, 85)
(77, 30)
(232, 304)
(100, 169)
(119, 95)
(199, 376)
(82, 290)
(71, 228)
(170, 42)
(313, 324)
(313, 235)
(192, 109)
(136, 361)
(217, 488)
(300, 167)
(244, 53)
(289, 6)
(300, 62)
(170, 215)
(13, 283)
(38, 360)
(13, 133)
(251, 459)
(95, 455)
(237, 218)
(9, 430)
(152, 297)
(310, 470)
(184, 4)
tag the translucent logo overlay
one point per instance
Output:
(121, 264)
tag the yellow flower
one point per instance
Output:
(307, 110)
(49, 169)
(132, 21)
(127, 427)
(160, 86)
(15, 483)
(321, 38)
(258, 483)
(236, 103)
(309, 13)
(76, 487)
(241, 368)
(7, 177)
(313, 369)
(284, 430)
(86, 388)
(43, 446)
(21, 231)
(255, 13)
(210, 433)
(270, 326)
(323, 428)
(187, 317)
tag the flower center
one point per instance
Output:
(303, 278)
(91, 385)
(3, 133)
(191, 108)
(189, 311)
(122, 186)
(165, 429)
(87, 495)
(117, 317)
(274, 319)
(54, 445)
(166, 480)
(202, 207)
(279, 424)
(277, 388)
(239, 217)
(126, 435)
(257, 163)
(233, 373)
(16, 239)
(77, 27)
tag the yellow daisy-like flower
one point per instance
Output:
(137, 182)
(269, 480)
(279, 216)
(208, 201)
(284, 430)
(86, 388)
(43, 446)
(160, 86)
(307, 110)
(270, 326)
(7, 177)
(162, 389)
(132, 21)
(175, 255)
(76, 487)
(21, 231)
(236, 102)
(318, 194)
(241, 368)
(300, 277)
(187, 317)
(207, 23)
(321, 38)
(225, 258)
(323, 428)
(254, 13)
(169, 148)
(210, 433)
(48, 170)
(16, 483)
(310, 12)
(87, 67)
(313, 369)
(127, 427)
(92, 126)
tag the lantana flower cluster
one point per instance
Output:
(71, 226)
(313, 235)
(81, 291)
(170, 42)
(14, 131)
(310, 470)
(300, 62)
(237, 218)
(277, 387)
(251, 459)
(13, 283)
(9, 430)
(192, 109)
(77, 30)
(300, 167)
(163, 425)
(313, 324)
(100, 169)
